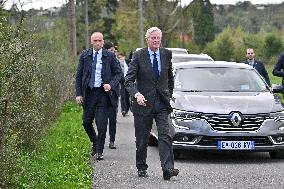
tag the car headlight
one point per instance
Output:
(184, 115)
(277, 116)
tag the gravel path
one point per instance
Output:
(197, 169)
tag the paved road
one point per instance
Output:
(197, 170)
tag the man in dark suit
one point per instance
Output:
(124, 94)
(150, 80)
(112, 117)
(259, 66)
(98, 73)
(279, 68)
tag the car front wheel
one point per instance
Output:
(279, 154)
(177, 154)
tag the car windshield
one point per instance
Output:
(221, 79)
(188, 58)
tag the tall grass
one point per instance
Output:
(62, 157)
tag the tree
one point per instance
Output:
(222, 48)
(126, 27)
(72, 28)
(101, 19)
(165, 15)
(203, 21)
(272, 45)
(86, 24)
(109, 20)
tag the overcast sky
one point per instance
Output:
(36, 4)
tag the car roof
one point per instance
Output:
(174, 50)
(178, 50)
(212, 64)
(192, 56)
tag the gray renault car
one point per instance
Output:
(224, 106)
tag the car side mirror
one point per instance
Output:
(276, 88)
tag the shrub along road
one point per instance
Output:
(197, 169)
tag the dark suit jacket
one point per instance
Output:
(259, 66)
(140, 78)
(279, 68)
(111, 73)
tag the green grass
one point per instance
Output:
(62, 159)
(274, 79)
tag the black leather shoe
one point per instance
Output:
(167, 174)
(94, 150)
(111, 145)
(142, 173)
(100, 156)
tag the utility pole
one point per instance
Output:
(181, 26)
(180, 36)
(86, 25)
(140, 23)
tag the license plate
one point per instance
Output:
(236, 145)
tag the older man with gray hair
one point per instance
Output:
(150, 80)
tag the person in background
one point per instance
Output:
(110, 47)
(279, 69)
(150, 80)
(258, 65)
(112, 118)
(97, 76)
(124, 94)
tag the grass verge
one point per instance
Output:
(62, 159)
(274, 80)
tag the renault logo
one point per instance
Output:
(236, 119)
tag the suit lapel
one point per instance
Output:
(162, 59)
(255, 64)
(147, 62)
(89, 60)
(163, 62)
(105, 67)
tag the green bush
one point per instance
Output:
(36, 76)
(272, 45)
(223, 46)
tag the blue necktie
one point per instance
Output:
(92, 80)
(155, 66)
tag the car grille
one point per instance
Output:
(222, 122)
(213, 141)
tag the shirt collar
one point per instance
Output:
(152, 52)
(251, 61)
(99, 52)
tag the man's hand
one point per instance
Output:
(107, 87)
(141, 100)
(79, 100)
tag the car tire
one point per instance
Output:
(177, 154)
(152, 141)
(277, 154)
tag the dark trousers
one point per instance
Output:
(143, 125)
(112, 122)
(95, 106)
(124, 99)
